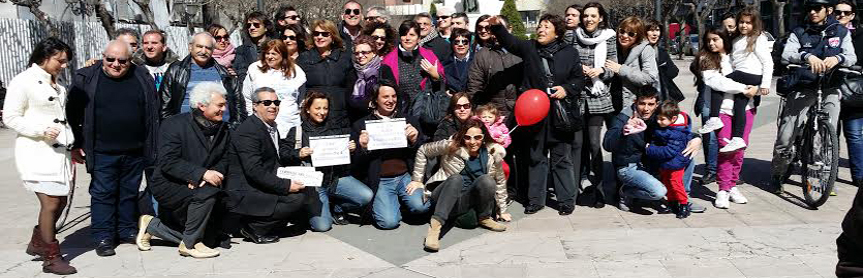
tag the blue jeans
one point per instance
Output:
(854, 138)
(709, 143)
(638, 183)
(386, 208)
(114, 194)
(350, 194)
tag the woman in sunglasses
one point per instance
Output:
(276, 70)
(458, 112)
(639, 61)
(470, 179)
(295, 39)
(225, 51)
(462, 58)
(367, 65)
(328, 68)
(383, 35)
(387, 171)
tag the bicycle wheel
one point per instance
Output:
(820, 163)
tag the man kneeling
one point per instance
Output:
(189, 173)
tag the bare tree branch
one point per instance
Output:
(41, 17)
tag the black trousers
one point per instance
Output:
(738, 120)
(591, 151)
(453, 198)
(286, 208)
(192, 220)
(850, 257)
(546, 156)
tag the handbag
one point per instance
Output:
(429, 107)
(851, 90)
(565, 113)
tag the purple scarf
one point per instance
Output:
(366, 75)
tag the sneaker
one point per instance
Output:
(712, 124)
(142, 240)
(683, 211)
(696, 208)
(734, 144)
(339, 218)
(736, 197)
(721, 199)
(625, 202)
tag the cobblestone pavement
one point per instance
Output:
(771, 236)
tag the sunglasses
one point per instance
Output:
(355, 11)
(269, 102)
(121, 61)
(221, 38)
(482, 28)
(463, 42)
(290, 38)
(254, 24)
(462, 106)
(364, 53)
(443, 17)
(628, 34)
(292, 17)
(372, 18)
(815, 8)
(321, 34)
(379, 38)
(844, 13)
(475, 137)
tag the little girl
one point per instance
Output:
(753, 65)
(489, 115)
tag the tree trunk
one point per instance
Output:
(106, 19)
(43, 19)
(779, 15)
(144, 5)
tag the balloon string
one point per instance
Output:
(513, 129)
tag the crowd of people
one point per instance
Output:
(208, 132)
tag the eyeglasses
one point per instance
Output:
(843, 13)
(443, 17)
(424, 23)
(380, 38)
(290, 38)
(628, 34)
(121, 61)
(221, 38)
(371, 18)
(292, 17)
(475, 137)
(269, 102)
(355, 11)
(463, 42)
(364, 53)
(462, 106)
(253, 24)
(483, 28)
(321, 34)
(134, 45)
(815, 8)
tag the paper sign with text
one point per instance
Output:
(307, 175)
(386, 134)
(330, 150)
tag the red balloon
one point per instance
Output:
(531, 107)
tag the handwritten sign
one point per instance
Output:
(307, 175)
(386, 134)
(330, 150)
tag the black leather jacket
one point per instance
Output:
(173, 91)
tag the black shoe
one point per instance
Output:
(598, 198)
(775, 186)
(661, 207)
(531, 209)
(339, 218)
(258, 239)
(105, 248)
(739, 182)
(684, 211)
(127, 239)
(566, 209)
(708, 178)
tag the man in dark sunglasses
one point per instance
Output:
(113, 109)
(287, 16)
(444, 21)
(257, 31)
(350, 27)
(377, 13)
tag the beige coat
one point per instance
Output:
(454, 164)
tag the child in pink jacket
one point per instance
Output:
(490, 115)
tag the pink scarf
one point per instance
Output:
(225, 57)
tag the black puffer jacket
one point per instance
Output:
(334, 76)
(173, 90)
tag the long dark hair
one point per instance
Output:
(389, 41)
(47, 48)
(300, 32)
(453, 101)
(707, 60)
(457, 141)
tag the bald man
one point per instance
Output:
(198, 67)
(113, 110)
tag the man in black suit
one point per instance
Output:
(264, 200)
(190, 170)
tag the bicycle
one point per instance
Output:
(819, 166)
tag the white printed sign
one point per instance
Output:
(307, 175)
(386, 134)
(330, 150)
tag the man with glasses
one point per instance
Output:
(378, 14)
(287, 16)
(114, 113)
(821, 44)
(350, 27)
(127, 35)
(257, 31)
(431, 39)
(198, 67)
(264, 200)
(456, 75)
(444, 22)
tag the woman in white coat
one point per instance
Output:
(34, 108)
(277, 70)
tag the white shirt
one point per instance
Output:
(287, 89)
(716, 80)
(758, 62)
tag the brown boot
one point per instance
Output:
(490, 224)
(432, 242)
(34, 248)
(54, 261)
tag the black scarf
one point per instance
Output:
(547, 51)
(311, 129)
(209, 128)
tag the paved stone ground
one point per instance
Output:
(771, 236)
